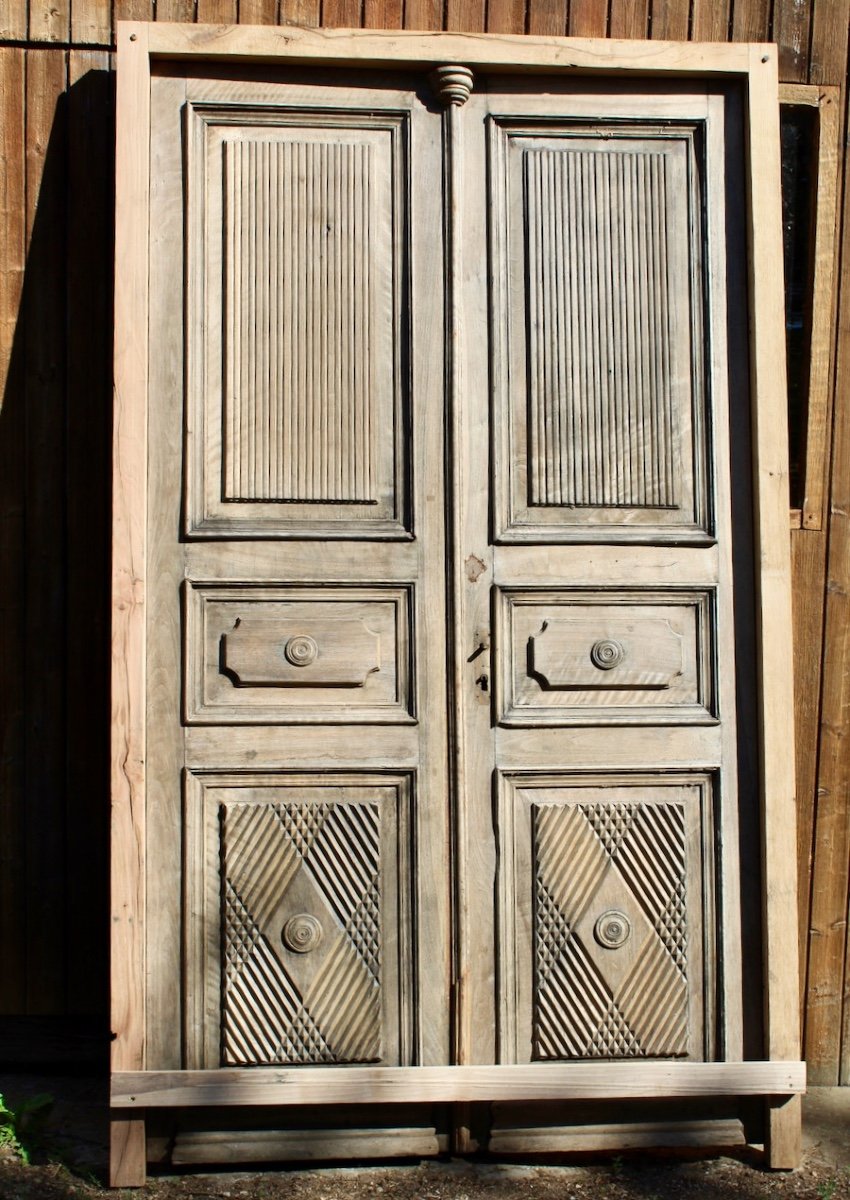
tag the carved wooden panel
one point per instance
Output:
(599, 370)
(605, 657)
(271, 654)
(608, 938)
(299, 886)
(295, 331)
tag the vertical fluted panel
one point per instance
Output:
(298, 421)
(601, 404)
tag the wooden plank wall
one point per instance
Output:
(56, 178)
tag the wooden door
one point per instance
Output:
(597, 620)
(450, 671)
(297, 766)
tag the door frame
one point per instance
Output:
(780, 1077)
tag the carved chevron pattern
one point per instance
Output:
(283, 1007)
(590, 1001)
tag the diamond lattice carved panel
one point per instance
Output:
(315, 998)
(611, 942)
(298, 942)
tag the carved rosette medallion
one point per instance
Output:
(452, 83)
(606, 654)
(613, 929)
(302, 933)
(301, 650)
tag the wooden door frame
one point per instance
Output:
(781, 1078)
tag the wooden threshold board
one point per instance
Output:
(408, 1085)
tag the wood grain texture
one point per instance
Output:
(751, 21)
(45, 348)
(387, 48)
(629, 19)
(130, 10)
(790, 30)
(382, 14)
(830, 31)
(13, 21)
(826, 1043)
(506, 16)
(217, 12)
(669, 20)
(465, 16)
(372, 1085)
(710, 21)
(548, 17)
(91, 22)
(299, 12)
(773, 596)
(822, 310)
(13, 714)
(50, 22)
(252, 12)
(588, 18)
(344, 14)
(808, 566)
(127, 1154)
(179, 10)
(423, 14)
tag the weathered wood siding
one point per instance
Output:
(56, 169)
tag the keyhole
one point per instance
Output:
(483, 682)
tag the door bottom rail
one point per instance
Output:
(453, 1084)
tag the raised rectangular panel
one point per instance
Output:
(296, 335)
(579, 657)
(606, 916)
(298, 919)
(264, 654)
(598, 363)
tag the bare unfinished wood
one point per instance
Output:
(751, 21)
(217, 12)
(790, 30)
(91, 22)
(710, 21)
(830, 34)
(374, 1085)
(506, 16)
(808, 572)
(827, 1034)
(176, 10)
(423, 14)
(670, 19)
(514, 53)
(587, 19)
(50, 22)
(255, 12)
(13, 20)
(127, 1021)
(550, 17)
(629, 19)
(773, 592)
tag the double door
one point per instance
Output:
(447, 679)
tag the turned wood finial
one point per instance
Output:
(452, 83)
